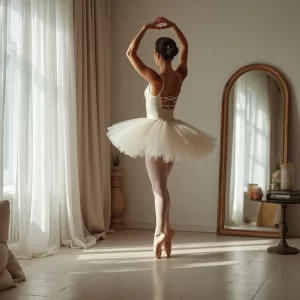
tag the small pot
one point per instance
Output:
(258, 193)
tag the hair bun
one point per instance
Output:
(172, 50)
(166, 47)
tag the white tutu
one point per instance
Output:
(172, 140)
(160, 135)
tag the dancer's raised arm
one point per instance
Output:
(149, 74)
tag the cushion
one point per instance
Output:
(3, 257)
(10, 270)
(4, 220)
(6, 280)
(14, 268)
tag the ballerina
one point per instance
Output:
(159, 137)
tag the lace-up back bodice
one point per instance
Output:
(168, 102)
(160, 107)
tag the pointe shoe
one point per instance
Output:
(168, 241)
(159, 239)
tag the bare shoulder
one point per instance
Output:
(156, 85)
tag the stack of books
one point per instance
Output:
(283, 195)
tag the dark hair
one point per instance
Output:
(166, 47)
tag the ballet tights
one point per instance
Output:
(158, 172)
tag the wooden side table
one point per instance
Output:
(282, 247)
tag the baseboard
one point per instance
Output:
(178, 227)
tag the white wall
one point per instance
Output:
(223, 36)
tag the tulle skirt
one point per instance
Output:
(172, 140)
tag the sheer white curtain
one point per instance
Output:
(3, 54)
(251, 140)
(46, 198)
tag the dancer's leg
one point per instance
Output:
(157, 172)
(167, 222)
(168, 231)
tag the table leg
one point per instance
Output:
(283, 247)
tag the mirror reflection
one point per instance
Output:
(254, 152)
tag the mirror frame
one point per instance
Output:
(221, 230)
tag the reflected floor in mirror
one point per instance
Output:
(203, 266)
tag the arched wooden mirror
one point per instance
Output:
(254, 141)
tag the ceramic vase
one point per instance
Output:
(287, 177)
(276, 180)
(118, 201)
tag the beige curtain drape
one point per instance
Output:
(92, 30)
(269, 214)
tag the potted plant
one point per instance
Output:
(118, 202)
(117, 157)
